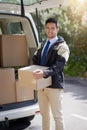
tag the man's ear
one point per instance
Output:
(58, 29)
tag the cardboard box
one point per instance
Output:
(24, 93)
(13, 50)
(7, 86)
(25, 77)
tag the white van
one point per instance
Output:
(18, 42)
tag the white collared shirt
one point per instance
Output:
(52, 41)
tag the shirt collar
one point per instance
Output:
(53, 40)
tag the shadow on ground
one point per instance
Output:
(15, 125)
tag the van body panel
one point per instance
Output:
(17, 113)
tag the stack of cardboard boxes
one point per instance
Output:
(13, 53)
(10, 89)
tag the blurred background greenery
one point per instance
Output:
(73, 27)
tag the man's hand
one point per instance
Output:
(38, 74)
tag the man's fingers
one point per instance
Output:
(38, 74)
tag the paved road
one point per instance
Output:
(74, 106)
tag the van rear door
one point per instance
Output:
(29, 5)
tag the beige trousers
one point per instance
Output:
(51, 98)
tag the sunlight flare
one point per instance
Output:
(81, 1)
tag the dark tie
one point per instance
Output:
(43, 57)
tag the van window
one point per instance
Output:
(14, 28)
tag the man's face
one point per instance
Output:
(51, 30)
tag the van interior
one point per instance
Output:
(17, 46)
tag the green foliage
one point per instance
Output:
(77, 41)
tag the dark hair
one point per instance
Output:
(51, 20)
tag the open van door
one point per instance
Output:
(29, 5)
